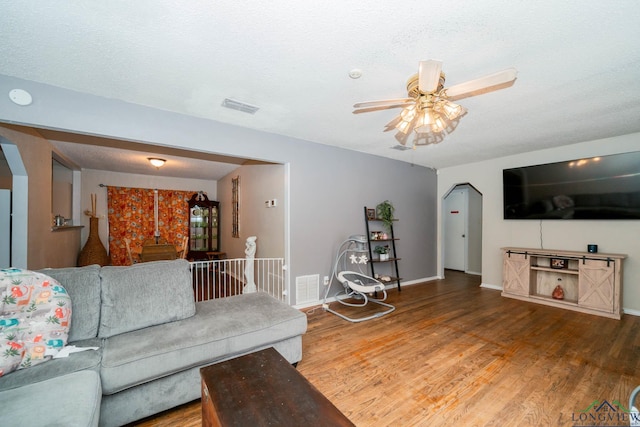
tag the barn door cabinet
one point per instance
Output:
(590, 282)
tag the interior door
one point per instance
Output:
(455, 222)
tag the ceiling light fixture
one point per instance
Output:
(428, 109)
(431, 117)
(156, 162)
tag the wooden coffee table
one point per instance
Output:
(263, 389)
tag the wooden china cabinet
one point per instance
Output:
(204, 226)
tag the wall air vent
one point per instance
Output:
(307, 288)
(240, 106)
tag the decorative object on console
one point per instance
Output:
(558, 293)
(591, 248)
(93, 251)
(558, 263)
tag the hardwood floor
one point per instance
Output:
(456, 354)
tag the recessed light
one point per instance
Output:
(20, 97)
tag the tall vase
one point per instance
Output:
(93, 251)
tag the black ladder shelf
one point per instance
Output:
(393, 259)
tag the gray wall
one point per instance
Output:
(328, 189)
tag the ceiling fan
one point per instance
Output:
(428, 109)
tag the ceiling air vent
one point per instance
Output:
(240, 106)
(401, 147)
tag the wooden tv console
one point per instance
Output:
(591, 282)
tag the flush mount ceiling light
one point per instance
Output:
(20, 97)
(156, 161)
(428, 110)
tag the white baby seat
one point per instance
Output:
(359, 286)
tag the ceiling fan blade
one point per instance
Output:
(429, 75)
(496, 81)
(392, 124)
(383, 102)
(382, 107)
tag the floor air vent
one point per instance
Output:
(307, 288)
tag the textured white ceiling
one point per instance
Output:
(578, 64)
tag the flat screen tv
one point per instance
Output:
(606, 187)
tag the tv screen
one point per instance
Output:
(606, 187)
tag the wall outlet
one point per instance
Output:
(326, 280)
(267, 203)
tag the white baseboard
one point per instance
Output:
(631, 312)
(475, 273)
(490, 286)
(413, 282)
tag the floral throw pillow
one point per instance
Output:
(35, 315)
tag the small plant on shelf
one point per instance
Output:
(383, 251)
(384, 212)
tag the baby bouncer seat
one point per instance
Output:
(358, 288)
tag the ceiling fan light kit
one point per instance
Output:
(429, 111)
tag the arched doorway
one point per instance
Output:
(462, 229)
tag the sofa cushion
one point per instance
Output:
(35, 315)
(143, 295)
(221, 329)
(88, 359)
(69, 400)
(83, 286)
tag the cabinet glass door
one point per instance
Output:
(199, 228)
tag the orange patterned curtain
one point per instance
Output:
(131, 216)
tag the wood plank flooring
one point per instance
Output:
(456, 354)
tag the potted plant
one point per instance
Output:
(384, 212)
(383, 251)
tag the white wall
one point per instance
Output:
(616, 236)
(91, 180)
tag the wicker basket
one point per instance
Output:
(93, 251)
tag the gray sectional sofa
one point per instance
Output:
(152, 339)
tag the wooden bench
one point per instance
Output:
(263, 389)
